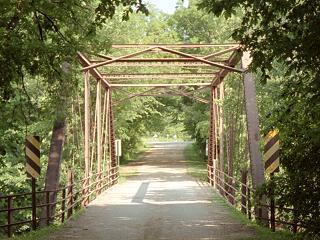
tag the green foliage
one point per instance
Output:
(271, 30)
(40, 81)
(284, 42)
(196, 162)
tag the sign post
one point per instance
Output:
(118, 150)
(207, 147)
(33, 170)
(272, 162)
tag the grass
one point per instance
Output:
(129, 172)
(197, 168)
(42, 233)
(134, 156)
(263, 233)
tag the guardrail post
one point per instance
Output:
(10, 215)
(34, 204)
(249, 201)
(70, 199)
(295, 223)
(244, 200)
(48, 207)
(272, 206)
(63, 204)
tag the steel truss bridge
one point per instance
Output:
(162, 70)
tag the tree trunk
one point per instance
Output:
(54, 164)
(256, 162)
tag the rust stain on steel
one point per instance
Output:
(160, 75)
(175, 45)
(201, 59)
(118, 58)
(159, 84)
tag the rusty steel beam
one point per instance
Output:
(211, 169)
(232, 61)
(221, 134)
(160, 84)
(112, 145)
(159, 75)
(86, 136)
(134, 95)
(160, 64)
(92, 66)
(158, 80)
(168, 92)
(99, 132)
(94, 72)
(222, 52)
(201, 60)
(174, 45)
(161, 60)
(198, 89)
(186, 94)
(159, 95)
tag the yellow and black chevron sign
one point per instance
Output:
(33, 156)
(271, 152)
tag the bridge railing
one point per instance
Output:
(17, 212)
(240, 195)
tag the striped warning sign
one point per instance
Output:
(33, 156)
(271, 152)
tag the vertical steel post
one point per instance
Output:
(112, 145)
(221, 138)
(272, 205)
(70, 199)
(86, 137)
(256, 162)
(249, 201)
(103, 134)
(10, 215)
(63, 205)
(99, 137)
(34, 204)
(244, 207)
(106, 137)
(215, 140)
(211, 139)
(48, 215)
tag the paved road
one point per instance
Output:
(160, 202)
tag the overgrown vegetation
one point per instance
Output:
(284, 44)
(196, 162)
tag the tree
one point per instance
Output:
(283, 37)
(40, 39)
(271, 30)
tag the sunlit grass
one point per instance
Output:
(196, 166)
(43, 233)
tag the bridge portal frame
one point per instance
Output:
(212, 80)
